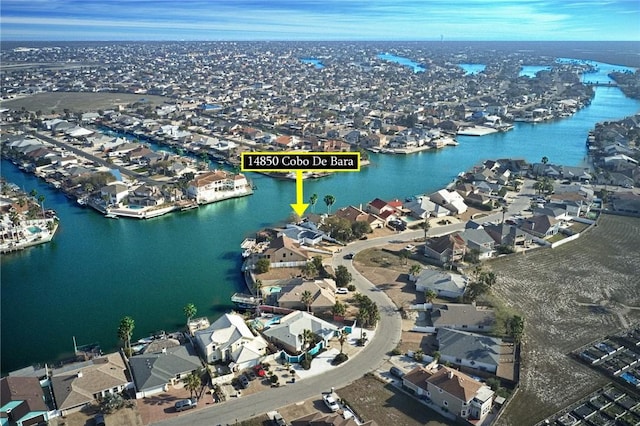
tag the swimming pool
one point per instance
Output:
(629, 378)
(34, 229)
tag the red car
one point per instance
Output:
(259, 370)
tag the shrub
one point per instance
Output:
(396, 351)
(351, 287)
(273, 378)
(339, 359)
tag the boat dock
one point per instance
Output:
(246, 301)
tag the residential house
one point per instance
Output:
(146, 195)
(289, 332)
(471, 350)
(154, 372)
(114, 192)
(626, 203)
(322, 296)
(446, 249)
(444, 284)
(452, 390)
(22, 402)
(423, 208)
(283, 252)
(302, 235)
(508, 235)
(354, 214)
(79, 385)
(217, 185)
(378, 206)
(541, 226)
(480, 240)
(459, 316)
(229, 339)
(451, 200)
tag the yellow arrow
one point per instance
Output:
(299, 207)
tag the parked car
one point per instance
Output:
(330, 402)
(349, 255)
(278, 420)
(410, 247)
(395, 371)
(251, 375)
(185, 404)
(342, 290)
(243, 381)
(98, 419)
(259, 370)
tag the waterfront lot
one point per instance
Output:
(569, 296)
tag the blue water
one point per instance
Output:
(402, 61)
(96, 270)
(316, 62)
(472, 68)
(531, 70)
(602, 70)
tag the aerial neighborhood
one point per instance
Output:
(403, 284)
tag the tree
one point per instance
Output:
(515, 328)
(338, 309)
(257, 286)
(425, 226)
(504, 211)
(404, 255)
(309, 338)
(329, 200)
(359, 228)
(190, 311)
(313, 200)
(544, 160)
(343, 276)
(262, 265)
(125, 331)
(429, 295)
(309, 270)
(307, 299)
(417, 355)
(415, 269)
(338, 228)
(193, 382)
(436, 356)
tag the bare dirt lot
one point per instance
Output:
(79, 102)
(569, 296)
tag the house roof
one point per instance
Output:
(321, 291)
(227, 329)
(469, 346)
(539, 224)
(208, 178)
(292, 326)
(455, 383)
(284, 242)
(418, 376)
(153, 370)
(462, 314)
(441, 281)
(478, 236)
(77, 387)
(21, 395)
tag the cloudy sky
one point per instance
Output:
(320, 19)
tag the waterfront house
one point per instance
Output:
(355, 214)
(451, 390)
(444, 284)
(154, 372)
(460, 316)
(451, 200)
(289, 332)
(217, 185)
(146, 195)
(283, 252)
(22, 402)
(322, 295)
(78, 385)
(229, 339)
(446, 249)
(114, 192)
(302, 235)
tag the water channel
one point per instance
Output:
(98, 270)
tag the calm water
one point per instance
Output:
(470, 69)
(531, 70)
(402, 61)
(98, 270)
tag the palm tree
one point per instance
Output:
(257, 287)
(425, 227)
(313, 200)
(516, 328)
(190, 311)
(544, 160)
(125, 331)
(308, 337)
(342, 337)
(329, 200)
(193, 382)
(436, 356)
(307, 299)
(338, 309)
(504, 210)
(415, 269)
(41, 201)
(429, 295)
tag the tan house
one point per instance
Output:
(452, 391)
(283, 252)
(75, 388)
(322, 292)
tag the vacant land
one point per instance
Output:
(569, 296)
(373, 399)
(79, 102)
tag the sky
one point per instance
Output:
(536, 20)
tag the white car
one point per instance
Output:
(342, 290)
(330, 402)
